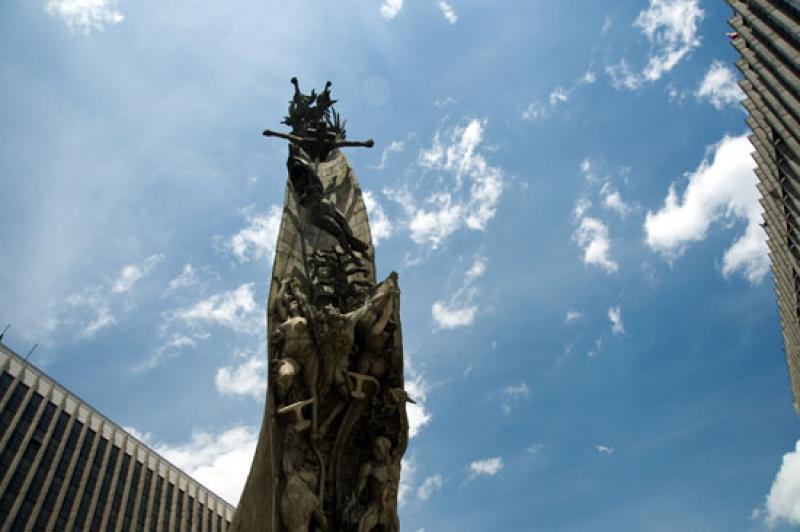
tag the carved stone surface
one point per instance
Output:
(335, 426)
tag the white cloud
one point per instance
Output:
(615, 317)
(603, 449)
(103, 319)
(719, 86)
(380, 225)
(418, 416)
(721, 188)
(170, 349)
(486, 467)
(396, 146)
(408, 470)
(592, 236)
(513, 393)
(390, 8)
(607, 22)
(100, 308)
(235, 309)
(535, 448)
(219, 461)
(459, 310)
(187, 277)
(470, 193)
(558, 96)
(448, 11)
(572, 315)
(612, 200)
(671, 26)
(85, 15)
(448, 317)
(598, 345)
(517, 391)
(429, 487)
(133, 273)
(248, 378)
(258, 239)
(622, 76)
(783, 500)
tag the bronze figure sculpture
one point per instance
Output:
(335, 425)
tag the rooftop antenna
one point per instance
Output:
(4, 332)
(31, 351)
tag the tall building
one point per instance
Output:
(66, 467)
(767, 35)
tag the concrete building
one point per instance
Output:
(767, 35)
(66, 467)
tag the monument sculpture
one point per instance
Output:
(335, 425)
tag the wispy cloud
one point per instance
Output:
(719, 86)
(133, 273)
(235, 309)
(85, 15)
(379, 224)
(417, 389)
(447, 10)
(512, 393)
(488, 467)
(186, 278)
(604, 449)
(257, 240)
(390, 8)
(572, 315)
(459, 310)
(396, 146)
(722, 187)
(672, 30)
(592, 236)
(615, 317)
(469, 193)
(537, 110)
(429, 487)
(247, 379)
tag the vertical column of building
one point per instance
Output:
(58, 516)
(104, 476)
(41, 446)
(15, 442)
(767, 39)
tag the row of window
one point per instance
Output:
(73, 458)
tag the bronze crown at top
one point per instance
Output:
(316, 126)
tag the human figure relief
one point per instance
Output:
(376, 479)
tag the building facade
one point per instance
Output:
(66, 467)
(767, 35)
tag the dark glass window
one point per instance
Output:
(75, 479)
(179, 510)
(190, 513)
(90, 484)
(198, 516)
(167, 506)
(5, 383)
(105, 488)
(145, 498)
(128, 517)
(156, 504)
(119, 490)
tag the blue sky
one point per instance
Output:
(565, 189)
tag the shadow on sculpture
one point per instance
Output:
(335, 425)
